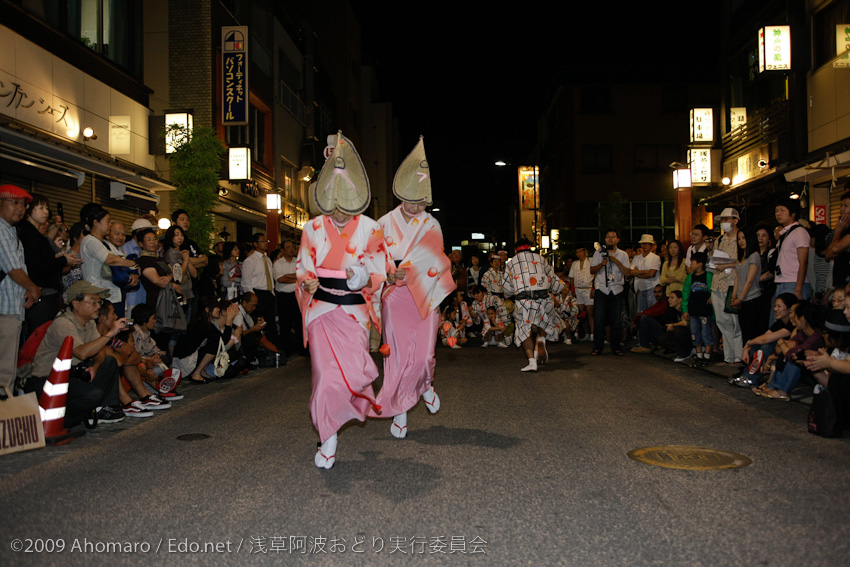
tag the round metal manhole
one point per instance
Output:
(690, 458)
(193, 437)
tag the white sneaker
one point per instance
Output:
(532, 366)
(455, 345)
(432, 400)
(568, 341)
(135, 409)
(484, 345)
(154, 402)
(684, 358)
(399, 426)
(501, 345)
(326, 455)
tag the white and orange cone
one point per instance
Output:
(53, 397)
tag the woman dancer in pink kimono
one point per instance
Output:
(340, 271)
(420, 278)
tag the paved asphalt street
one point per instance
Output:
(516, 469)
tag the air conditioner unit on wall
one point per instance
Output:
(133, 196)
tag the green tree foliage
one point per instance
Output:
(195, 168)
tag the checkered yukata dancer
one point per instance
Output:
(530, 279)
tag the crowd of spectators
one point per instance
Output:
(769, 300)
(147, 310)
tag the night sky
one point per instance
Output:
(474, 80)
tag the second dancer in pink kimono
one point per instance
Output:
(420, 278)
(340, 271)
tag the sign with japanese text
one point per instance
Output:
(702, 125)
(774, 48)
(234, 57)
(842, 46)
(700, 161)
(737, 118)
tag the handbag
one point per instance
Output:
(20, 423)
(169, 314)
(222, 360)
(824, 419)
(728, 308)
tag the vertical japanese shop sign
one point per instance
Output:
(234, 57)
(774, 48)
(702, 125)
(842, 45)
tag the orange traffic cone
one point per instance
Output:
(52, 399)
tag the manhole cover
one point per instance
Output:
(689, 458)
(193, 437)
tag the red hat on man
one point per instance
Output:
(14, 192)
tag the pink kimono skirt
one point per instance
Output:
(343, 372)
(409, 369)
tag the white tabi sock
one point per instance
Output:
(326, 455)
(399, 426)
(432, 400)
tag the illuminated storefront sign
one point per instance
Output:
(234, 56)
(702, 125)
(528, 189)
(842, 45)
(738, 118)
(700, 162)
(774, 48)
(239, 164)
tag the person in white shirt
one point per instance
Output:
(647, 272)
(698, 237)
(288, 313)
(610, 269)
(582, 281)
(257, 277)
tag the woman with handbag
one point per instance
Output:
(200, 347)
(156, 276)
(99, 256)
(178, 259)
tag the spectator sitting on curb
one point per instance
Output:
(95, 383)
(651, 321)
(808, 335)
(756, 358)
(128, 363)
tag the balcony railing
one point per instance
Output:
(763, 127)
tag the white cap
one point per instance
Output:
(730, 212)
(139, 224)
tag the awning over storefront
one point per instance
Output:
(39, 157)
(821, 171)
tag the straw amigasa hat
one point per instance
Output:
(342, 184)
(412, 182)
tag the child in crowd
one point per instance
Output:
(155, 372)
(452, 328)
(493, 331)
(696, 305)
(837, 299)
